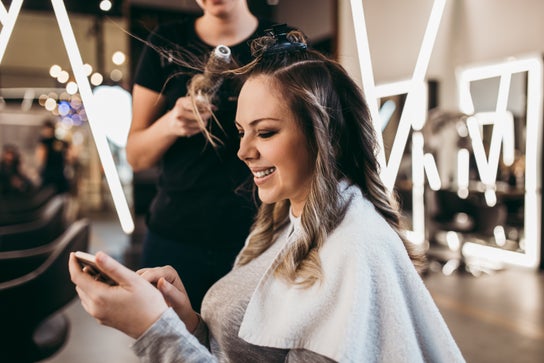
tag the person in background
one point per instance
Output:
(326, 274)
(13, 181)
(52, 156)
(199, 218)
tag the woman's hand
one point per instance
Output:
(169, 284)
(183, 121)
(131, 307)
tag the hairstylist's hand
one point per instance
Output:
(169, 284)
(131, 307)
(183, 120)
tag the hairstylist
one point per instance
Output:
(198, 221)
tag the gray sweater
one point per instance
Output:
(216, 338)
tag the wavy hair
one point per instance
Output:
(330, 109)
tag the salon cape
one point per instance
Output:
(371, 306)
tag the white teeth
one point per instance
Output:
(261, 174)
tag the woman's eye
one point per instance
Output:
(266, 134)
(240, 133)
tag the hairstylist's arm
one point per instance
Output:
(131, 307)
(150, 133)
(173, 291)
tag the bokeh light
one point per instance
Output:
(118, 58)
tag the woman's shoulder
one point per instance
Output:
(363, 232)
(361, 215)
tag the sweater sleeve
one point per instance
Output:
(167, 340)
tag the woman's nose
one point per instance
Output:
(246, 151)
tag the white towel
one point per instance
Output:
(371, 307)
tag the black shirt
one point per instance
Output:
(196, 197)
(52, 172)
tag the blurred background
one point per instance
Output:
(460, 110)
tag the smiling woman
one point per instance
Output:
(273, 145)
(324, 265)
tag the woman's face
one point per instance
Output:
(272, 144)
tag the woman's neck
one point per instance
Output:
(228, 30)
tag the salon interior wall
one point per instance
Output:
(34, 46)
(471, 31)
(318, 21)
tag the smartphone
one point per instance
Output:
(88, 264)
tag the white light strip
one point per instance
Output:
(99, 136)
(488, 167)
(533, 65)
(501, 108)
(432, 172)
(463, 168)
(393, 88)
(8, 23)
(414, 95)
(367, 74)
(3, 13)
(416, 122)
(413, 114)
(419, 117)
(498, 255)
(508, 143)
(416, 236)
(389, 169)
(490, 196)
(428, 40)
(478, 72)
(418, 188)
(533, 159)
(417, 154)
(504, 90)
(533, 151)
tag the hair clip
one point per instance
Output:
(282, 44)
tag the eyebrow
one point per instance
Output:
(256, 121)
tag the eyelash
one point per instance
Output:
(266, 134)
(261, 134)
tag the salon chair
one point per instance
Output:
(24, 247)
(50, 223)
(22, 209)
(34, 326)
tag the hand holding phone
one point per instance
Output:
(88, 264)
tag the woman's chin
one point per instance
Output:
(266, 198)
